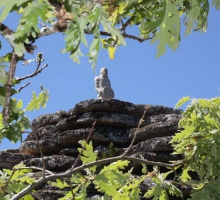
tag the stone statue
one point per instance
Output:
(103, 85)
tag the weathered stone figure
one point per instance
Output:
(103, 85)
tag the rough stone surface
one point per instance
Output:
(117, 106)
(47, 119)
(158, 129)
(108, 119)
(155, 145)
(56, 163)
(116, 121)
(8, 158)
(48, 146)
(101, 135)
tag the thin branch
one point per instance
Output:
(68, 173)
(43, 25)
(135, 37)
(41, 153)
(71, 189)
(87, 140)
(35, 168)
(136, 132)
(124, 25)
(19, 90)
(37, 71)
(11, 73)
(125, 35)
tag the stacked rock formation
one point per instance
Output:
(116, 121)
(11, 157)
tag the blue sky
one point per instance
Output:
(136, 74)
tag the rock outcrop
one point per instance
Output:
(116, 122)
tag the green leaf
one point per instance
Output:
(94, 50)
(156, 191)
(111, 52)
(182, 101)
(196, 15)
(7, 6)
(111, 179)
(168, 32)
(37, 102)
(151, 20)
(29, 21)
(6, 58)
(19, 49)
(109, 28)
(216, 3)
(75, 35)
(88, 155)
(28, 197)
(83, 25)
(185, 175)
(95, 16)
(144, 169)
(60, 184)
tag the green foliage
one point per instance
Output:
(13, 181)
(73, 38)
(88, 155)
(199, 143)
(182, 101)
(60, 184)
(40, 101)
(18, 122)
(7, 7)
(162, 187)
(157, 19)
(168, 32)
(196, 15)
(216, 3)
(28, 24)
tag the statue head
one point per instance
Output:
(104, 72)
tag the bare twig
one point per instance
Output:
(124, 25)
(41, 153)
(87, 139)
(71, 188)
(35, 168)
(19, 90)
(136, 132)
(11, 73)
(135, 37)
(43, 25)
(37, 71)
(103, 33)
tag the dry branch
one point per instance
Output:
(22, 87)
(37, 71)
